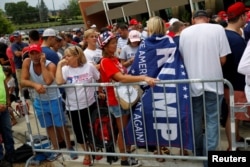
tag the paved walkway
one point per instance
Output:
(19, 131)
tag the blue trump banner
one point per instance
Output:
(164, 115)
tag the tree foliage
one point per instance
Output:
(6, 26)
(21, 12)
(71, 10)
(74, 8)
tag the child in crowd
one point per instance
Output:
(128, 51)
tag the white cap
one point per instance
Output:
(134, 36)
(93, 26)
(2, 40)
(49, 32)
(171, 21)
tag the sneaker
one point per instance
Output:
(4, 163)
(130, 162)
(53, 156)
(73, 155)
(133, 160)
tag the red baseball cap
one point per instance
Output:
(25, 50)
(248, 16)
(35, 47)
(222, 14)
(236, 9)
(11, 38)
(133, 22)
(167, 25)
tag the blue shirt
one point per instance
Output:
(18, 59)
(247, 31)
(237, 44)
(50, 55)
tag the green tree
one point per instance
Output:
(64, 14)
(21, 12)
(74, 8)
(70, 10)
(32, 15)
(6, 26)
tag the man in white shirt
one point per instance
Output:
(123, 39)
(203, 45)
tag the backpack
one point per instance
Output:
(102, 130)
(22, 154)
(103, 126)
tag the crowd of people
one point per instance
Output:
(218, 41)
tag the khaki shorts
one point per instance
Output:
(18, 76)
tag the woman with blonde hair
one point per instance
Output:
(156, 51)
(156, 26)
(74, 69)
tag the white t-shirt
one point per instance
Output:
(201, 46)
(244, 65)
(128, 52)
(81, 96)
(93, 56)
(121, 42)
(244, 68)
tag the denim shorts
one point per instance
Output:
(117, 111)
(50, 113)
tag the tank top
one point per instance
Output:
(51, 93)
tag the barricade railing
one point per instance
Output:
(169, 133)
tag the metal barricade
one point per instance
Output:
(237, 107)
(167, 113)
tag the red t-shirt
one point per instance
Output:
(109, 67)
(10, 56)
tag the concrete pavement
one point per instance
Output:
(20, 129)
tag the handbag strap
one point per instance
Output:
(118, 66)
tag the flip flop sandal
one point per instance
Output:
(132, 149)
(165, 150)
(87, 162)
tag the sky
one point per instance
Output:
(59, 4)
